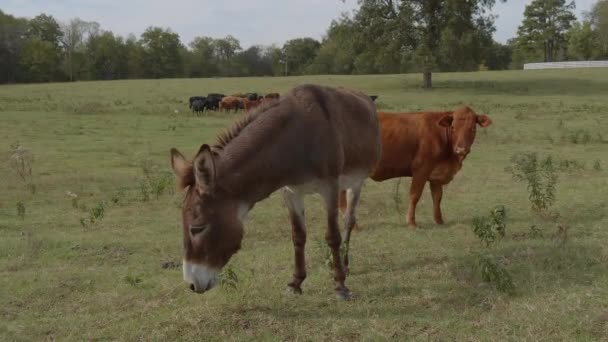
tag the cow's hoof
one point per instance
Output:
(292, 290)
(344, 295)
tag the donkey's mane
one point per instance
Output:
(225, 138)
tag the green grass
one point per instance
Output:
(63, 280)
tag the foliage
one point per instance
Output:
(543, 30)
(97, 212)
(493, 271)
(599, 21)
(582, 41)
(153, 181)
(540, 176)
(21, 210)
(535, 232)
(229, 278)
(488, 228)
(20, 161)
(597, 166)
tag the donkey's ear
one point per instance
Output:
(182, 169)
(204, 169)
(484, 120)
(446, 121)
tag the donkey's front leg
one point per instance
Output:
(295, 205)
(334, 239)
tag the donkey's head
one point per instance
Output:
(211, 218)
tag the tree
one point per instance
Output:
(75, 34)
(544, 27)
(161, 53)
(298, 54)
(582, 41)
(203, 62)
(107, 56)
(12, 33)
(599, 22)
(430, 34)
(135, 58)
(225, 49)
(40, 61)
(498, 56)
(41, 54)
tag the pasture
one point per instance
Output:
(90, 244)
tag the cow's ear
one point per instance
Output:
(446, 121)
(484, 120)
(182, 169)
(204, 170)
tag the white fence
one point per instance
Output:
(566, 65)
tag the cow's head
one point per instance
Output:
(463, 123)
(212, 227)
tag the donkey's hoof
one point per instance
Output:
(292, 290)
(344, 295)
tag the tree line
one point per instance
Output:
(382, 36)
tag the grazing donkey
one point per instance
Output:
(313, 140)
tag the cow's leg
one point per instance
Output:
(334, 239)
(437, 194)
(418, 181)
(352, 199)
(295, 206)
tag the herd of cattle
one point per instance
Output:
(315, 139)
(244, 101)
(221, 102)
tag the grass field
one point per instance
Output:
(91, 267)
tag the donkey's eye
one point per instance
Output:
(198, 228)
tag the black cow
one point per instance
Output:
(198, 106)
(213, 101)
(374, 97)
(194, 98)
(251, 96)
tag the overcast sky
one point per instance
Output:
(251, 21)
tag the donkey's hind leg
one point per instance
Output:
(333, 237)
(350, 221)
(295, 205)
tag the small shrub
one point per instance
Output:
(153, 182)
(597, 166)
(143, 189)
(487, 228)
(20, 161)
(21, 210)
(159, 183)
(134, 281)
(97, 212)
(229, 278)
(539, 175)
(495, 272)
(118, 196)
(535, 232)
(570, 165)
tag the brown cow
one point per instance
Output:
(427, 146)
(314, 140)
(231, 103)
(249, 104)
(272, 96)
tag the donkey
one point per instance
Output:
(313, 140)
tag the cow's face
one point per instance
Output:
(212, 228)
(463, 124)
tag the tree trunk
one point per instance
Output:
(427, 82)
